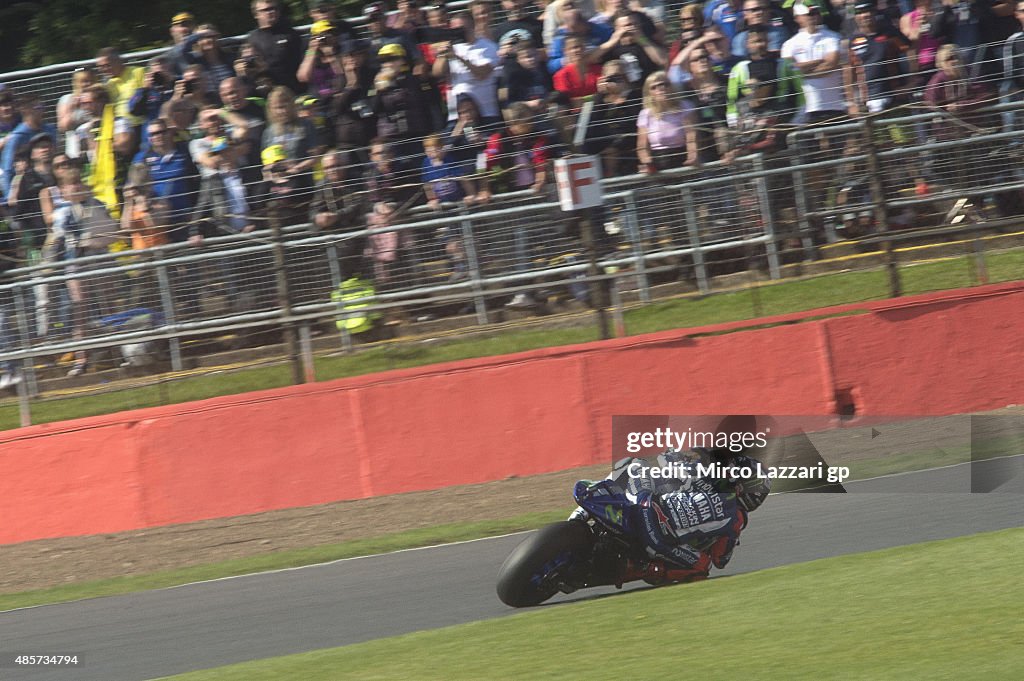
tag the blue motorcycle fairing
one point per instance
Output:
(605, 501)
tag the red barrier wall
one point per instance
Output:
(491, 418)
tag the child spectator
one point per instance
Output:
(337, 205)
(517, 157)
(82, 227)
(441, 176)
(442, 183)
(388, 250)
(466, 142)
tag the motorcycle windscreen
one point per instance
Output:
(606, 502)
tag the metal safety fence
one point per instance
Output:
(689, 224)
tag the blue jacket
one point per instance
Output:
(176, 179)
(19, 137)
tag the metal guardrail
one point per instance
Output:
(691, 219)
(507, 250)
(678, 220)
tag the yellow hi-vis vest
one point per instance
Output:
(355, 294)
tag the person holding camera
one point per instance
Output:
(612, 129)
(521, 24)
(355, 121)
(194, 88)
(408, 18)
(628, 44)
(157, 88)
(472, 67)
(380, 34)
(324, 10)
(524, 78)
(403, 112)
(322, 66)
(251, 68)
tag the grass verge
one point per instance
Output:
(685, 312)
(907, 613)
(278, 560)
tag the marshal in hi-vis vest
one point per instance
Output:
(354, 295)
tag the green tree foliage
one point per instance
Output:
(40, 33)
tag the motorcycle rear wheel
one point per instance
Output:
(530, 574)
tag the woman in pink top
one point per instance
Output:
(916, 25)
(666, 137)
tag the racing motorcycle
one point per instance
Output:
(600, 550)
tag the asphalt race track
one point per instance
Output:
(159, 633)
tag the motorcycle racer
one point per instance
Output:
(687, 522)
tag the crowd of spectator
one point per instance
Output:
(350, 126)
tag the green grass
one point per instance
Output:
(429, 536)
(913, 612)
(779, 298)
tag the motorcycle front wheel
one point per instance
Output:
(532, 572)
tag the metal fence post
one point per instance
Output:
(284, 302)
(306, 347)
(802, 200)
(881, 210)
(473, 263)
(694, 230)
(978, 258)
(25, 336)
(767, 219)
(170, 315)
(632, 221)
